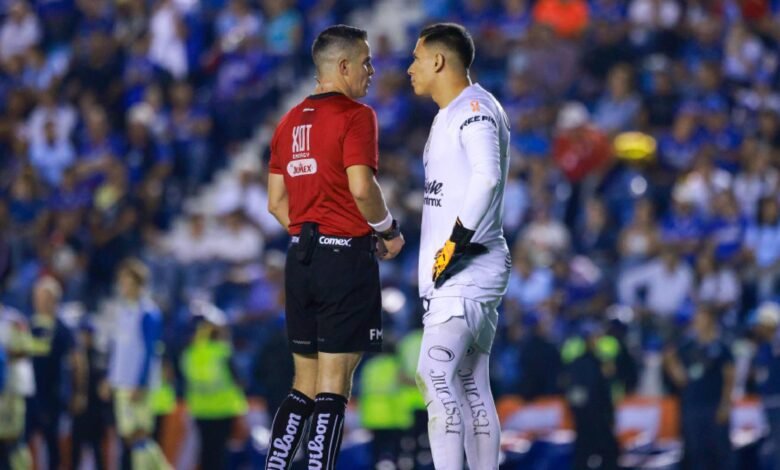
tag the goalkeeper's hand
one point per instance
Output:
(455, 254)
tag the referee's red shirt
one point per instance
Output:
(312, 147)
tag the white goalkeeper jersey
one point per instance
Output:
(466, 162)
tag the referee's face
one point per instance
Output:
(360, 71)
(421, 71)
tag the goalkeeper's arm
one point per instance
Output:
(481, 145)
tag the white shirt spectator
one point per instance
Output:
(63, 116)
(238, 244)
(188, 245)
(666, 289)
(167, 49)
(20, 31)
(530, 291)
(516, 204)
(651, 15)
(544, 239)
(720, 287)
(764, 241)
(702, 187)
(52, 158)
(743, 51)
(749, 188)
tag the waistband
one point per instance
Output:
(364, 243)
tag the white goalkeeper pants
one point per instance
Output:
(453, 375)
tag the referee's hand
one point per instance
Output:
(389, 249)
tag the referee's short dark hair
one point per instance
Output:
(452, 36)
(339, 36)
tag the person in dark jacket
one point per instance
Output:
(587, 381)
(540, 361)
(702, 369)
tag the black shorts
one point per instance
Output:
(334, 302)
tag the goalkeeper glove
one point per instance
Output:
(455, 254)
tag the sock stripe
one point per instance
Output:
(332, 450)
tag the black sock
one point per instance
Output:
(287, 429)
(326, 426)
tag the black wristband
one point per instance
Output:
(393, 232)
(461, 236)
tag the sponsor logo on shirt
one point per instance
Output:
(478, 118)
(307, 166)
(334, 241)
(375, 334)
(301, 141)
(433, 193)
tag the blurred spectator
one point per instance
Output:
(284, 29)
(702, 370)
(568, 18)
(90, 400)
(52, 156)
(718, 285)
(683, 227)
(580, 151)
(20, 30)
(679, 146)
(529, 287)
(595, 235)
(763, 239)
(236, 240)
(666, 281)
(653, 23)
(589, 373)
(236, 23)
(618, 108)
(640, 239)
(50, 110)
(540, 361)
(51, 353)
(168, 49)
(757, 180)
(765, 370)
(743, 51)
(545, 238)
(726, 230)
(662, 102)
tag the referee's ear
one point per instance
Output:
(344, 66)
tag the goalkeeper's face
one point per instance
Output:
(423, 69)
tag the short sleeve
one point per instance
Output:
(275, 163)
(361, 139)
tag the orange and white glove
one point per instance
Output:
(455, 254)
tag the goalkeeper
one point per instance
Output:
(464, 260)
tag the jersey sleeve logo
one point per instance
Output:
(306, 166)
(474, 106)
(478, 118)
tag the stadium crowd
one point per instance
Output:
(644, 190)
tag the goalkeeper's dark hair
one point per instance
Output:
(339, 36)
(453, 37)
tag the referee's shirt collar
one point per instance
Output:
(320, 96)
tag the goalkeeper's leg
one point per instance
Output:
(443, 346)
(482, 432)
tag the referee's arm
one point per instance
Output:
(371, 203)
(368, 196)
(278, 204)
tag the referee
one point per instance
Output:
(322, 189)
